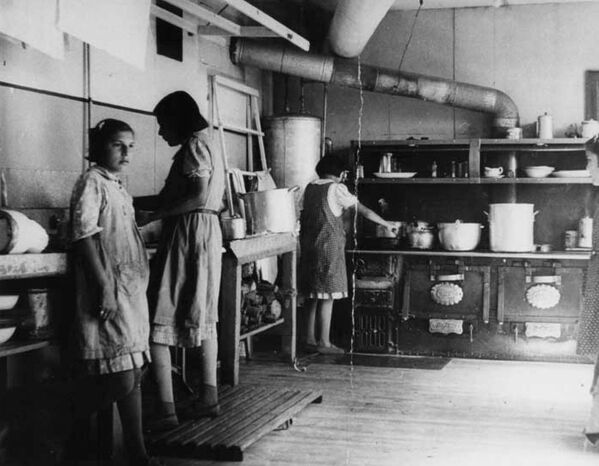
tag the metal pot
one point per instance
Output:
(459, 236)
(421, 239)
(233, 227)
(270, 211)
(511, 227)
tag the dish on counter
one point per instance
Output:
(538, 171)
(395, 174)
(572, 174)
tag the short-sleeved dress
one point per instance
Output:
(102, 209)
(322, 240)
(185, 275)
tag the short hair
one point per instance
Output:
(101, 133)
(181, 113)
(330, 165)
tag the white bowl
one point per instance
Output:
(539, 171)
(6, 333)
(8, 301)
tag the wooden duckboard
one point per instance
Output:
(248, 413)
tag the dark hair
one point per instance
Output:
(101, 133)
(330, 165)
(181, 113)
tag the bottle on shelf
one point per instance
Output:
(434, 169)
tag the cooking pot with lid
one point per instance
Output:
(459, 236)
(421, 239)
(511, 227)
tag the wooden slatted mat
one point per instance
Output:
(248, 413)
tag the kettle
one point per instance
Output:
(589, 128)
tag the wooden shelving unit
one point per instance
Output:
(243, 251)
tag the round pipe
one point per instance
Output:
(353, 24)
(289, 60)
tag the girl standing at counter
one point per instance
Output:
(185, 277)
(322, 255)
(109, 338)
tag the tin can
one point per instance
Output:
(360, 171)
(570, 239)
(514, 133)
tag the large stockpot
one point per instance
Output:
(511, 227)
(270, 211)
(459, 236)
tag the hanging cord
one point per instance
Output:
(405, 49)
(302, 109)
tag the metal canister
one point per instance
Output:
(585, 232)
(545, 126)
(570, 239)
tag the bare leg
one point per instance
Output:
(325, 311)
(209, 361)
(130, 414)
(311, 305)
(162, 369)
(206, 404)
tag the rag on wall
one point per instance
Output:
(34, 23)
(118, 27)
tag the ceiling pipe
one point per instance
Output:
(353, 24)
(281, 58)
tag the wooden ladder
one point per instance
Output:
(250, 132)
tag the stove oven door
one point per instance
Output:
(446, 291)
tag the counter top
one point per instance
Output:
(32, 265)
(561, 255)
(253, 248)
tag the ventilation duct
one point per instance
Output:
(353, 24)
(327, 69)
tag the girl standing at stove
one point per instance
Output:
(323, 277)
(588, 341)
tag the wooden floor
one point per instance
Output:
(471, 412)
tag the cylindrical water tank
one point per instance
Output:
(292, 145)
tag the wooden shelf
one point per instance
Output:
(558, 255)
(15, 266)
(261, 329)
(548, 180)
(15, 347)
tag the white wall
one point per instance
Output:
(42, 141)
(537, 54)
